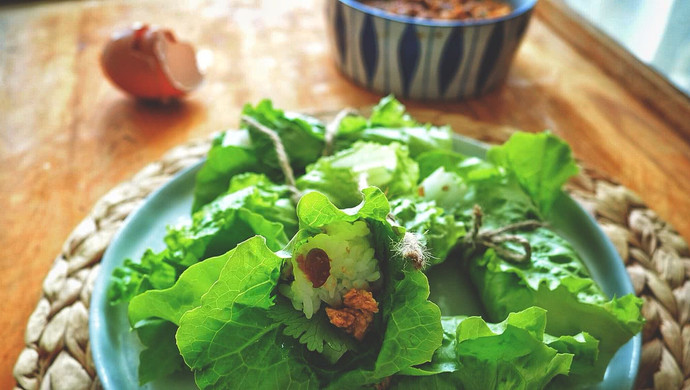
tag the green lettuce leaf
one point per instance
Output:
(155, 315)
(160, 357)
(253, 205)
(501, 198)
(413, 330)
(132, 278)
(469, 168)
(229, 155)
(522, 178)
(585, 350)
(556, 280)
(301, 135)
(477, 355)
(390, 123)
(171, 303)
(389, 112)
(271, 201)
(411, 334)
(444, 189)
(438, 231)
(315, 210)
(432, 160)
(541, 162)
(387, 167)
(230, 340)
(164, 309)
(250, 150)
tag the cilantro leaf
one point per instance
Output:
(316, 333)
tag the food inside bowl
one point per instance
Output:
(444, 9)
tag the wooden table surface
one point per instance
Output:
(67, 136)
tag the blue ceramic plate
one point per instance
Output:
(116, 350)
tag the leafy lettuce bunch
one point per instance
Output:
(304, 140)
(210, 301)
(251, 205)
(522, 180)
(233, 327)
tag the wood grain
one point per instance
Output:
(67, 136)
(646, 83)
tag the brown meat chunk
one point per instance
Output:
(357, 313)
(444, 9)
(316, 266)
(361, 299)
(342, 318)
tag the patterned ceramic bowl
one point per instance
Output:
(421, 58)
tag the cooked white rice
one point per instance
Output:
(348, 245)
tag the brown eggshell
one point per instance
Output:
(150, 63)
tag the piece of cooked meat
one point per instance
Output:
(357, 313)
(316, 266)
(360, 299)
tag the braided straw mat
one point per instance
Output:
(57, 354)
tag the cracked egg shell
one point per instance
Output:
(150, 63)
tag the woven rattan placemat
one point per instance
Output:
(57, 354)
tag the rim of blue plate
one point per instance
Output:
(521, 9)
(99, 305)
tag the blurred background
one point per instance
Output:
(656, 32)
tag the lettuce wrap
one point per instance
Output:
(521, 181)
(321, 283)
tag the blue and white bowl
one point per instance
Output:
(421, 58)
